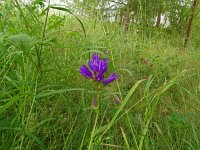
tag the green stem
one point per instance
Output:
(96, 119)
(93, 131)
(97, 99)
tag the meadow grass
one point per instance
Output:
(46, 104)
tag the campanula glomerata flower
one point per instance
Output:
(97, 69)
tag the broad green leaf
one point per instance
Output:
(22, 41)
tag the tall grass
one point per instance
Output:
(46, 104)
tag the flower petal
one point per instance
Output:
(103, 67)
(99, 77)
(85, 72)
(94, 63)
(111, 78)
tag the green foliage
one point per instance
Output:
(22, 41)
(46, 104)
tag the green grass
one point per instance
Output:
(46, 104)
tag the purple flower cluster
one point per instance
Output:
(97, 69)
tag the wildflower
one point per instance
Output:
(165, 112)
(97, 69)
(86, 72)
(106, 52)
(94, 103)
(117, 100)
(111, 78)
(144, 60)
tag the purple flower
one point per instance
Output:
(97, 69)
(111, 78)
(94, 103)
(86, 72)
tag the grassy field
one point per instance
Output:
(45, 103)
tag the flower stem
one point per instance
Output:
(97, 97)
(96, 119)
(93, 132)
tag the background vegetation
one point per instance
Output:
(46, 104)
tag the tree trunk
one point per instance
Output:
(121, 17)
(190, 23)
(158, 19)
(127, 18)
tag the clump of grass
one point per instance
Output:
(46, 104)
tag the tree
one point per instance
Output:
(195, 2)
